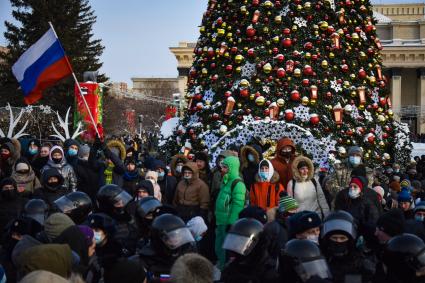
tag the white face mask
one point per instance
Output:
(355, 160)
(179, 169)
(353, 193)
(313, 238)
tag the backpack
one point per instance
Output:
(232, 187)
(317, 194)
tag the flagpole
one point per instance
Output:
(78, 85)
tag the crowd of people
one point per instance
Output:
(111, 212)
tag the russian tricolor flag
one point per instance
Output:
(41, 66)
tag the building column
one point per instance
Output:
(421, 99)
(182, 86)
(396, 89)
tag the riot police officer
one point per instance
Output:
(338, 243)
(145, 214)
(36, 209)
(404, 259)
(249, 261)
(169, 239)
(77, 205)
(302, 261)
(113, 201)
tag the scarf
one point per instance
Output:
(131, 175)
(108, 174)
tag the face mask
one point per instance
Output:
(179, 169)
(396, 170)
(57, 160)
(23, 172)
(353, 193)
(5, 156)
(355, 160)
(263, 175)
(98, 238)
(419, 218)
(9, 194)
(53, 185)
(338, 249)
(161, 175)
(251, 158)
(33, 151)
(198, 238)
(286, 154)
(313, 238)
(72, 152)
(187, 177)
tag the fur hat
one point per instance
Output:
(355, 150)
(192, 268)
(302, 221)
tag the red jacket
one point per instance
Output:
(279, 163)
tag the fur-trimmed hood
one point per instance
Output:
(254, 150)
(295, 172)
(174, 163)
(194, 168)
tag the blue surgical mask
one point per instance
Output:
(33, 151)
(355, 160)
(251, 158)
(198, 238)
(419, 218)
(161, 175)
(72, 152)
(263, 175)
(98, 238)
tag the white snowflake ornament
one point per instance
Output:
(248, 70)
(284, 11)
(300, 22)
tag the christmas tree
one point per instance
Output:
(308, 70)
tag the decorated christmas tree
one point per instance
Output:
(308, 70)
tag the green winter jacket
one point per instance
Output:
(229, 204)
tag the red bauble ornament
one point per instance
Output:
(280, 58)
(308, 70)
(228, 93)
(314, 119)
(215, 116)
(371, 138)
(229, 68)
(281, 73)
(362, 74)
(286, 31)
(289, 115)
(234, 49)
(250, 31)
(344, 68)
(287, 42)
(308, 45)
(328, 95)
(295, 95)
(255, 2)
(266, 112)
(244, 92)
(251, 52)
(220, 21)
(306, 82)
(275, 50)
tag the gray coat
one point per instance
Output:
(66, 170)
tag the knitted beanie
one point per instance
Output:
(287, 203)
(357, 181)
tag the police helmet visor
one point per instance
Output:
(238, 243)
(122, 199)
(177, 238)
(338, 225)
(39, 217)
(149, 206)
(317, 267)
(64, 204)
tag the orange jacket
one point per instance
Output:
(280, 165)
(266, 194)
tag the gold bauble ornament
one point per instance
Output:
(297, 72)
(390, 113)
(268, 4)
(294, 28)
(267, 68)
(366, 156)
(307, 5)
(353, 93)
(352, 77)
(257, 81)
(346, 84)
(244, 83)
(278, 19)
(276, 39)
(355, 37)
(323, 25)
(238, 69)
(260, 100)
(229, 35)
(307, 56)
(324, 64)
(280, 102)
(381, 118)
(204, 71)
(299, 8)
(243, 9)
(331, 55)
(238, 59)
(362, 55)
(372, 80)
(361, 107)
(326, 81)
(251, 96)
(381, 144)
(266, 29)
(202, 29)
(304, 100)
(313, 102)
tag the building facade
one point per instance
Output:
(401, 28)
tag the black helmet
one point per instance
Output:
(103, 222)
(304, 258)
(36, 209)
(111, 197)
(405, 254)
(146, 206)
(339, 222)
(243, 236)
(169, 235)
(77, 205)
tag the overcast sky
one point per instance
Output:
(137, 33)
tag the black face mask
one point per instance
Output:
(286, 154)
(54, 186)
(338, 249)
(57, 160)
(9, 194)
